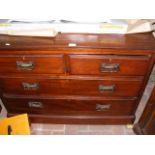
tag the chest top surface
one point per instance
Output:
(144, 41)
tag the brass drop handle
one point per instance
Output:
(27, 65)
(102, 107)
(109, 88)
(30, 86)
(109, 67)
(35, 104)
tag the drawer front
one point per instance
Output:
(70, 106)
(32, 64)
(108, 65)
(102, 87)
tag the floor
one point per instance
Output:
(63, 129)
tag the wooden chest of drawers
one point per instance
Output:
(98, 81)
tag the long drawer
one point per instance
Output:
(70, 106)
(32, 64)
(108, 65)
(101, 87)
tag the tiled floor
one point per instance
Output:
(62, 129)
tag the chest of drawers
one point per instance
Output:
(100, 80)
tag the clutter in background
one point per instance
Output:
(52, 27)
(16, 125)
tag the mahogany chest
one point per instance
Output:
(75, 78)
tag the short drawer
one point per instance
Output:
(108, 65)
(32, 64)
(101, 87)
(70, 106)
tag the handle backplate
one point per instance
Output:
(109, 67)
(103, 107)
(30, 86)
(27, 65)
(35, 104)
(108, 88)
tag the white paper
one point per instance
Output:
(51, 27)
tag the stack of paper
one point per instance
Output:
(112, 26)
(27, 28)
(52, 27)
(140, 26)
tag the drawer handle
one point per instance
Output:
(102, 107)
(109, 67)
(29, 65)
(35, 104)
(102, 88)
(30, 86)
